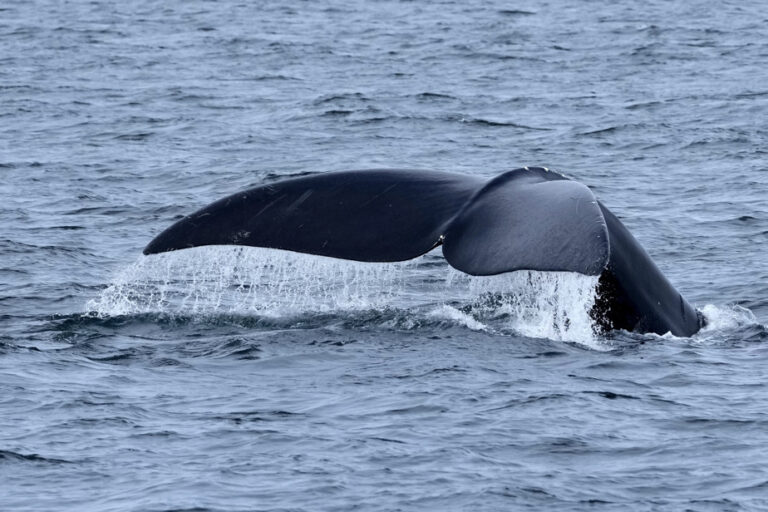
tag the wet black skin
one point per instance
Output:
(529, 218)
(634, 295)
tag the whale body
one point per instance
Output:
(524, 219)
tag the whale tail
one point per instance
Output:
(524, 219)
(527, 218)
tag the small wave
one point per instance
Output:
(516, 12)
(134, 137)
(333, 98)
(276, 77)
(480, 121)
(337, 113)
(434, 96)
(727, 318)
(454, 315)
(601, 131)
(9, 456)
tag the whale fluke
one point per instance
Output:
(376, 215)
(529, 219)
(524, 219)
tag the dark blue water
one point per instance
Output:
(233, 379)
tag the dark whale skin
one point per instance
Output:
(524, 219)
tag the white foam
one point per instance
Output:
(721, 318)
(212, 280)
(552, 305)
(219, 280)
(453, 315)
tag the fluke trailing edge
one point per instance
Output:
(524, 219)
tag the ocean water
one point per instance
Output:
(240, 379)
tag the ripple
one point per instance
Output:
(9, 457)
(199, 383)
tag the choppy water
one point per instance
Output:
(237, 379)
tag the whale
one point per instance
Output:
(529, 218)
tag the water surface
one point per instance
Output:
(232, 379)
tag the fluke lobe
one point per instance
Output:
(524, 219)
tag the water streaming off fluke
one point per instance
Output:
(272, 283)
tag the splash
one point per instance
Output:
(271, 283)
(453, 315)
(214, 280)
(726, 318)
(552, 305)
